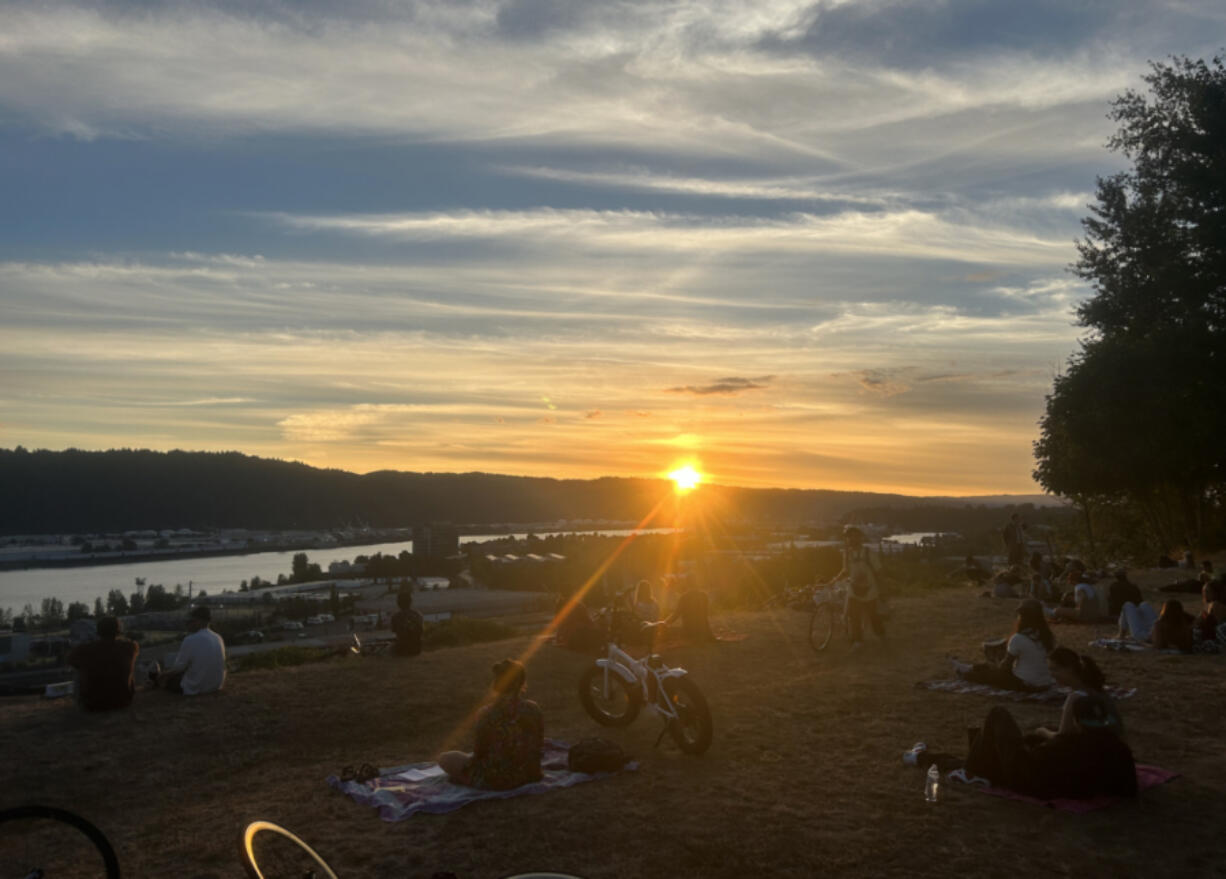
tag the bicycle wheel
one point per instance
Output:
(43, 841)
(821, 627)
(692, 730)
(616, 707)
(270, 851)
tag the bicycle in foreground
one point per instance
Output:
(618, 686)
(43, 842)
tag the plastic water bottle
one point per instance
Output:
(932, 784)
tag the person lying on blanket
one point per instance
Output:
(1085, 757)
(1024, 666)
(1169, 630)
(510, 735)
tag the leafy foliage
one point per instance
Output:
(1138, 416)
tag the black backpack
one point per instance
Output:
(596, 755)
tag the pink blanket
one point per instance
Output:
(1147, 777)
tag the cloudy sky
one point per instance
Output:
(803, 244)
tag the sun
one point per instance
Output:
(685, 478)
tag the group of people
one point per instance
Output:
(1173, 628)
(1084, 756)
(106, 667)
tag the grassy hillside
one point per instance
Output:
(804, 778)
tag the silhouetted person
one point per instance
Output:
(105, 668)
(408, 625)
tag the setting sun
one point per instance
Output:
(685, 478)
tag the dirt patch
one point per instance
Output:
(804, 778)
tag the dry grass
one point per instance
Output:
(804, 778)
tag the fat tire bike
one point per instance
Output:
(618, 686)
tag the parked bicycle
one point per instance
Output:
(617, 687)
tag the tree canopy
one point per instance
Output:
(1139, 414)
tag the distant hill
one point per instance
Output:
(72, 491)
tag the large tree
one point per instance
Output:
(1140, 413)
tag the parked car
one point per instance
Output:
(291, 625)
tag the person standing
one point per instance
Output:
(1014, 536)
(200, 664)
(105, 668)
(864, 590)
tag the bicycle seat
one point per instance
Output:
(655, 660)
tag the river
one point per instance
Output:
(213, 574)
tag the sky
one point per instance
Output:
(810, 245)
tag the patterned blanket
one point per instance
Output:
(1147, 777)
(402, 791)
(1127, 645)
(1052, 694)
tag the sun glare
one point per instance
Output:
(685, 478)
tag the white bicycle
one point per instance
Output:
(618, 686)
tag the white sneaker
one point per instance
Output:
(911, 758)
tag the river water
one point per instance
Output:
(18, 588)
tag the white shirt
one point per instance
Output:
(1031, 666)
(203, 656)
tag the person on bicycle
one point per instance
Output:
(863, 592)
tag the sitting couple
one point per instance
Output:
(1085, 756)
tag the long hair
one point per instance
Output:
(1030, 616)
(1083, 666)
(509, 677)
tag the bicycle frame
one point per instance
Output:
(644, 674)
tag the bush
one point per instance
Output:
(282, 657)
(458, 631)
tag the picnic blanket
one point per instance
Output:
(1127, 645)
(402, 791)
(1147, 777)
(1052, 694)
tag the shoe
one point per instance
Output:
(961, 775)
(911, 758)
(960, 667)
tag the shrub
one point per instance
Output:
(458, 631)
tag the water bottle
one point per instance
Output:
(932, 784)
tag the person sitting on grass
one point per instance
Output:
(645, 607)
(105, 668)
(693, 610)
(509, 738)
(1171, 629)
(971, 570)
(408, 625)
(1025, 664)
(200, 664)
(1085, 757)
(1079, 605)
(1120, 592)
(1212, 617)
(574, 627)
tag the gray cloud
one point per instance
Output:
(726, 386)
